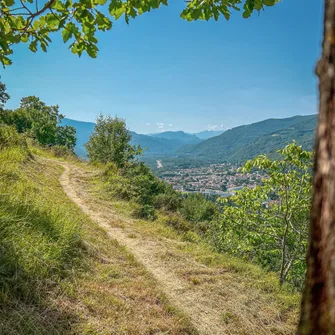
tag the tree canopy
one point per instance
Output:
(33, 22)
(109, 143)
(40, 122)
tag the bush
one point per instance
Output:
(110, 169)
(143, 211)
(9, 137)
(40, 121)
(170, 200)
(197, 209)
(110, 142)
(177, 222)
(119, 187)
(134, 182)
(61, 151)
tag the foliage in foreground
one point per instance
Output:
(78, 21)
(269, 224)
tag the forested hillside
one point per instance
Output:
(265, 137)
(206, 134)
(179, 136)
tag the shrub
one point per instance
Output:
(61, 151)
(143, 211)
(119, 187)
(196, 208)
(170, 200)
(40, 121)
(177, 222)
(9, 137)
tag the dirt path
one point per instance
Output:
(216, 307)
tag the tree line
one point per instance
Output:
(37, 120)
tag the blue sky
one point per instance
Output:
(163, 73)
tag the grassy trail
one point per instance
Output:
(218, 299)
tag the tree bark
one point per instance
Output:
(318, 302)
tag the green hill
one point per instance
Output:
(206, 134)
(179, 136)
(245, 142)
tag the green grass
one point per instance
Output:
(39, 242)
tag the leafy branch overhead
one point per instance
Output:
(32, 21)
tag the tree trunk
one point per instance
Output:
(318, 302)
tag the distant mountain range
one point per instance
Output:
(178, 136)
(234, 145)
(164, 143)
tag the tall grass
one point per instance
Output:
(39, 239)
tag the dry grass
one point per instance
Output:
(221, 294)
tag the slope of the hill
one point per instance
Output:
(60, 272)
(206, 134)
(178, 136)
(245, 142)
(155, 145)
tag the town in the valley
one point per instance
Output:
(216, 179)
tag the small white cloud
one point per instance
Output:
(147, 124)
(170, 125)
(160, 125)
(216, 127)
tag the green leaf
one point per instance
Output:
(269, 2)
(246, 14)
(24, 38)
(43, 46)
(5, 60)
(66, 34)
(103, 22)
(52, 21)
(92, 51)
(100, 2)
(117, 12)
(9, 2)
(59, 6)
(33, 46)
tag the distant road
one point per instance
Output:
(159, 165)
